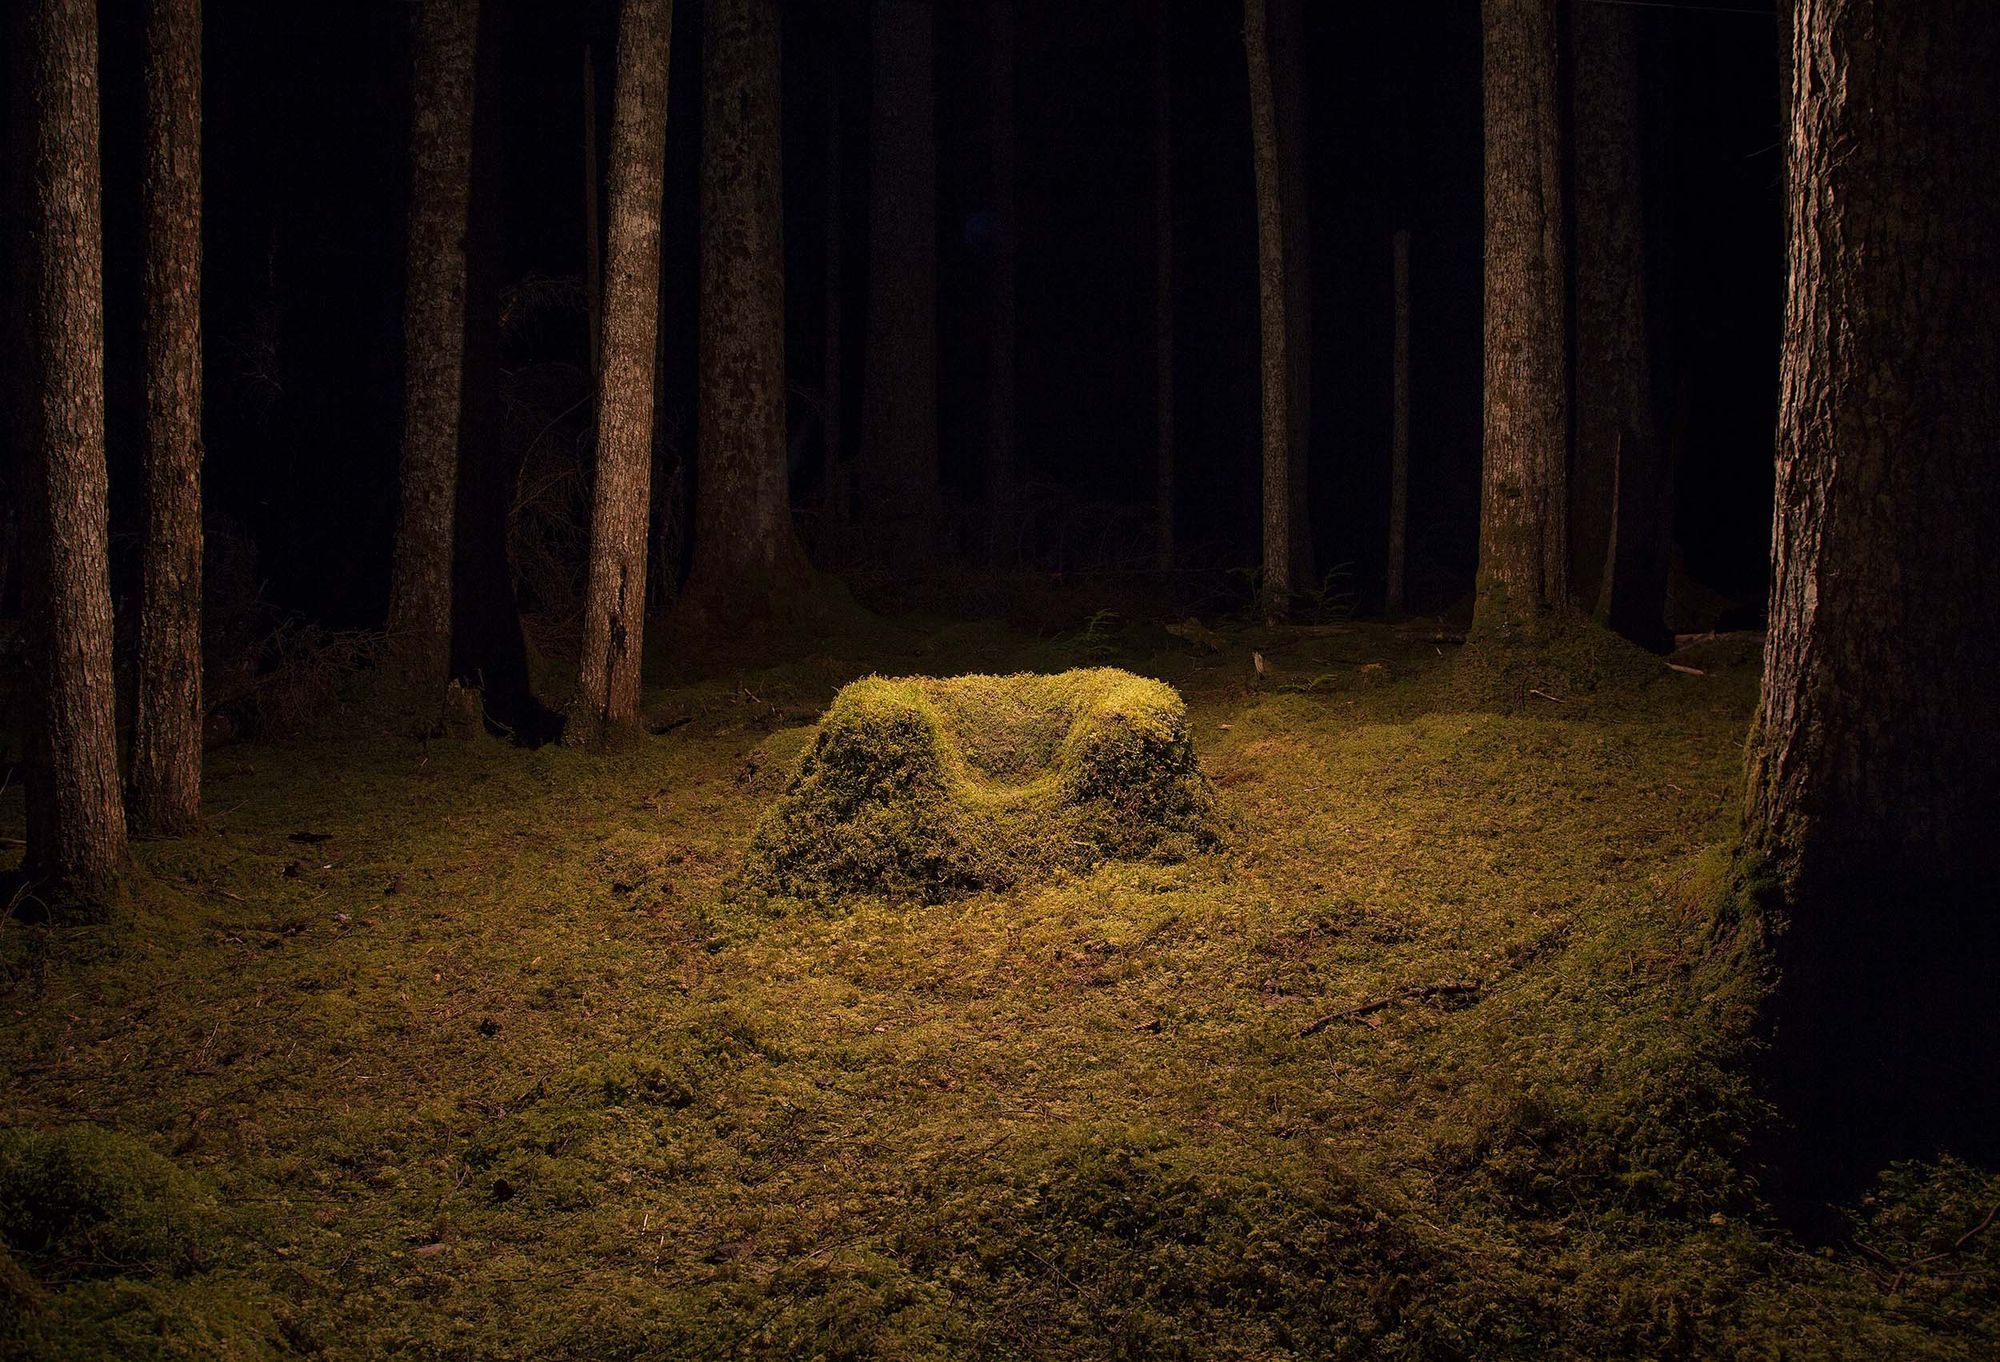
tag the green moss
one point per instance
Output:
(921, 788)
(85, 1202)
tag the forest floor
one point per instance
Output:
(468, 1051)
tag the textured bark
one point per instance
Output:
(615, 599)
(1523, 553)
(1000, 368)
(746, 553)
(1288, 89)
(433, 331)
(165, 793)
(1877, 746)
(1272, 298)
(898, 470)
(76, 821)
(489, 654)
(1620, 495)
(1399, 436)
(1163, 290)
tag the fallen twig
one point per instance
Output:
(1414, 993)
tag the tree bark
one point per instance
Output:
(746, 553)
(433, 334)
(1272, 298)
(76, 821)
(1620, 495)
(1000, 473)
(1399, 436)
(615, 599)
(899, 458)
(489, 655)
(1163, 290)
(1523, 554)
(1288, 88)
(1877, 744)
(165, 793)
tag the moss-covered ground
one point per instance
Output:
(460, 1050)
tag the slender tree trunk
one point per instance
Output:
(593, 228)
(1399, 437)
(1523, 554)
(1163, 290)
(76, 822)
(1272, 297)
(614, 623)
(1288, 87)
(899, 457)
(1620, 495)
(166, 732)
(1000, 476)
(433, 332)
(1877, 745)
(746, 553)
(488, 651)
(837, 507)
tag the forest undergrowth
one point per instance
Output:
(461, 1050)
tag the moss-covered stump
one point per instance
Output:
(923, 788)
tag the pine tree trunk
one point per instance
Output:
(488, 651)
(746, 553)
(167, 724)
(615, 599)
(899, 457)
(1523, 553)
(76, 821)
(1272, 297)
(1000, 476)
(1619, 491)
(1163, 290)
(1288, 88)
(1877, 745)
(1399, 436)
(433, 334)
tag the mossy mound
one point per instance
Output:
(84, 1202)
(922, 788)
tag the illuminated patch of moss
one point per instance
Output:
(85, 1202)
(924, 789)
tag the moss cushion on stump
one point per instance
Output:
(927, 788)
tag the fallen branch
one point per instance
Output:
(1416, 993)
(1685, 671)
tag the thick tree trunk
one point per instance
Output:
(837, 504)
(899, 458)
(1163, 289)
(76, 822)
(615, 599)
(1399, 435)
(1620, 496)
(746, 553)
(1000, 477)
(433, 333)
(1288, 88)
(1877, 746)
(1523, 553)
(1273, 296)
(488, 652)
(166, 733)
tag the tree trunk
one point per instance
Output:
(1399, 437)
(1000, 474)
(746, 553)
(836, 505)
(167, 724)
(1163, 290)
(1272, 297)
(76, 822)
(1523, 554)
(433, 335)
(488, 652)
(899, 456)
(1877, 745)
(1288, 88)
(1620, 496)
(615, 599)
